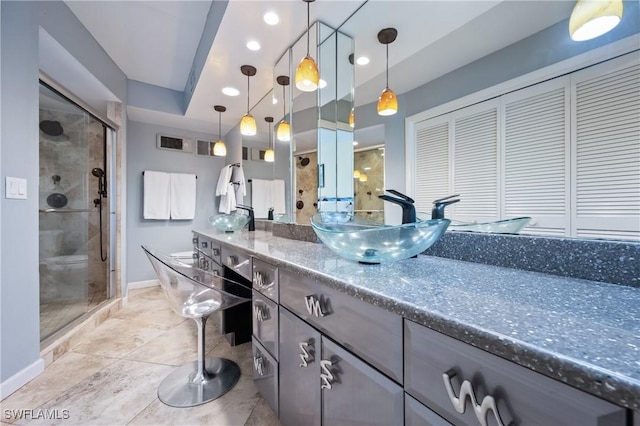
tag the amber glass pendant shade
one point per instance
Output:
(284, 131)
(593, 18)
(352, 118)
(387, 102)
(269, 155)
(248, 125)
(307, 75)
(219, 149)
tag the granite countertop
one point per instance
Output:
(583, 333)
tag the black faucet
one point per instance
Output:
(406, 202)
(252, 222)
(270, 214)
(438, 206)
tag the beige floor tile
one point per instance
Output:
(233, 408)
(149, 311)
(262, 415)
(112, 396)
(64, 373)
(117, 337)
(176, 346)
(241, 354)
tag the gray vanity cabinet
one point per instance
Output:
(206, 254)
(353, 393)
(265, 374)
(417, 414)
(372, 333)
(265, 322)
(465, 384)
(322, 383)
(299, 372)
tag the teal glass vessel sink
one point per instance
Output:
(367, 242)
(229, 222)
(507, 226)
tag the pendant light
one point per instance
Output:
(356, 174)
(592, 18)
(269, 155)
(352, 118)
(219, 148)
(387, 102)
(248, 123)
(307, 76)
(284, 128)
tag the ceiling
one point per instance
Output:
(155, 42)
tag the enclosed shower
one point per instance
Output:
(74, 212)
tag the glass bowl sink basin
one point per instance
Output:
(229, 222)
(507, 226)
(367, 242)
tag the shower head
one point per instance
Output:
(97, 172)
(304, 161)
(51, 128)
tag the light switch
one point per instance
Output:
(15, 188)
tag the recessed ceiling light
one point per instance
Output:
(274, 101)
(230, 91)
(253, 45)
(355, 143)
(362, 60)
(322, 84)
(271, 18)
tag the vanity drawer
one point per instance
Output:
(236, 260)
(370, 332)
(265, 278)
(416, 414)
(207, 246)
(207, 263)
(437, 367)
(265, 322)
(265, 374)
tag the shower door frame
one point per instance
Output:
(112, 130)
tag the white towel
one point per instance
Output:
(223, 180)
(277, 196)
(183, 196)
(261, 197)
(228, 200)
(237, 176)
(157, 201)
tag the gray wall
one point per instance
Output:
(164, 235)
(540, 50)
(19, 286)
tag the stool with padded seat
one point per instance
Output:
(196, 294)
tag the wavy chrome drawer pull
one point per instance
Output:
(314, 306)
(466, 389)
(258, 365)
(305, 355)
(325, 376)
(261, 313)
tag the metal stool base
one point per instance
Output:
(179, 390)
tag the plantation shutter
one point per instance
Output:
(536, 156)
(475, 163)
(432, 162)
(607, 150)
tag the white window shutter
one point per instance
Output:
(475, 163)
(432, 162)
(536, 156)
(607, 150)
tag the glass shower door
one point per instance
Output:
(74, 212)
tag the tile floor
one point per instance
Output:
(111, 376)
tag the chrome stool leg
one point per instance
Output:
(200, 381)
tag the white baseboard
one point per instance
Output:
(142, 284)
(21, 378)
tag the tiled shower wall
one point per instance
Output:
(306, 188)
(367, 203)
